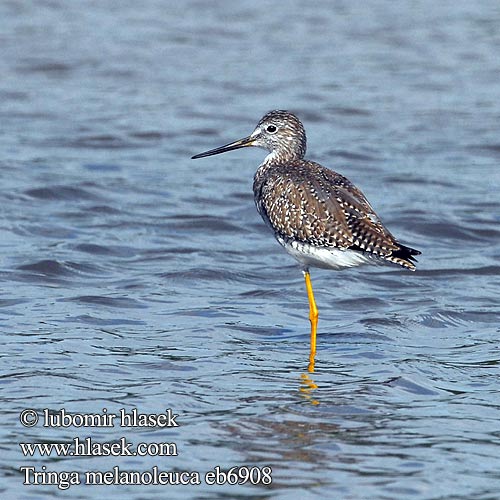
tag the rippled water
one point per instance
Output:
(133, 277)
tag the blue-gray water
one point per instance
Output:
(134, 277)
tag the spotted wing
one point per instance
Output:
(306, 202)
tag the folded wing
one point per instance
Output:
(306, 202)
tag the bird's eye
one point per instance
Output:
(271, 129)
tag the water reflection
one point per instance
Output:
(307, 387)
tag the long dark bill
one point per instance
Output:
(242, 143)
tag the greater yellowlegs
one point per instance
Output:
(316, 214)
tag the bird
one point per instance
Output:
(320, 217)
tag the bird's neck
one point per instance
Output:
(272, 157)
(280, 157)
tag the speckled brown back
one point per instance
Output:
(304, 201)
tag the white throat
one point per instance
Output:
(270, 157)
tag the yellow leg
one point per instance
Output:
(313, 317)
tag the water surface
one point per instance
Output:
(133, 277)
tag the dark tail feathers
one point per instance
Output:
(406, 255)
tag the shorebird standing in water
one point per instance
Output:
(316, 214)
